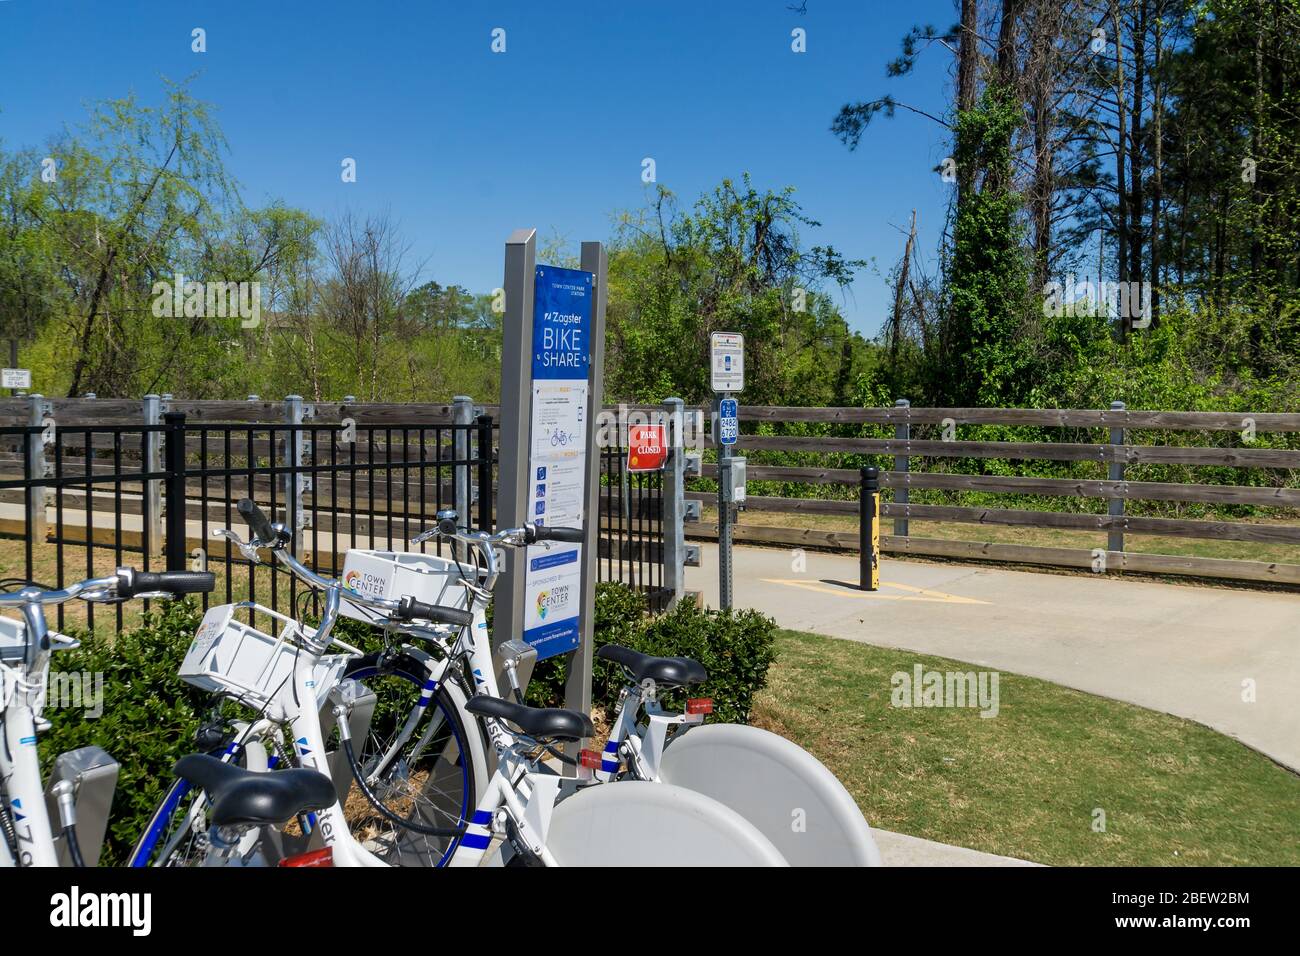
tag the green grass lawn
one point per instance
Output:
(1026, 782)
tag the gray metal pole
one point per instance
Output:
(37, 408)
(902, 464)
(295, 444)
(516, 398)
(674, 498)
(153, 531)
(577, 686)
(462, 416)
(1115, 537)
(724, 511)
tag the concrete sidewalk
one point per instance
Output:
(1184, 650)
(899, 849)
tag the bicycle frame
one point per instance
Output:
(642, 747)
(519, 799)
(20, 710)
(296, 704)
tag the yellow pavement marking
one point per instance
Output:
(918, 594)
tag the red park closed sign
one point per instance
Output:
(647, 447)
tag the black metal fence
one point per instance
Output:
(632, 527)
(82, 498)
(113, 490)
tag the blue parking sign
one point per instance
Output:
(728, 421)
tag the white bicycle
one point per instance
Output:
(84, 776)
(238, 815)
(786, 792)
(789, 795)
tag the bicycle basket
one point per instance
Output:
(229, 656)
(13, 639)
(399, 574)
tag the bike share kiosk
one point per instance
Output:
(552, 390)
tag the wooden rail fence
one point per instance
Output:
(915, 458)
(1130, 434)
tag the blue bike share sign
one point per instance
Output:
(562, 302)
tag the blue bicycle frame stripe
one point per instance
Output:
(141, 856)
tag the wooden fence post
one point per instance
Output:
(1115, 537)
(902, 465)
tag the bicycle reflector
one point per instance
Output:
(589, 759)
(699, 705)
(323, 857)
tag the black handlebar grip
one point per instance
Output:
(447, 527)
(131, 582)
(409, 609)
(567, 535)
(257, 520)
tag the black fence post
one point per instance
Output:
(174, 489)
(484, 473)
(869, 531)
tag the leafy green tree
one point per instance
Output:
(734, 263)
(983, 353)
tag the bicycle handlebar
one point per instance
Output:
(125, 583)
(131, 582)
(409, 609)
(486, 544)
(264, 533)
(276, 539)
(33, 595)
(537, 532)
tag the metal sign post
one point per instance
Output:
(516, 416)
(727, 376)
(552, 368)
(577, 688)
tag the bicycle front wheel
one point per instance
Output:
(422, 760)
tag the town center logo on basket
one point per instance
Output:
(541, 604)
(366, 582)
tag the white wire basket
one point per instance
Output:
(13, 639)
(229, 656)
(398, 574)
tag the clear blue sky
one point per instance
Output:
(463, 145)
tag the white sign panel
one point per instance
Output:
(16, 378)
(727, 361)
(557, 456)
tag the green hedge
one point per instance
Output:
(149, 719)
(736, 647)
